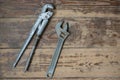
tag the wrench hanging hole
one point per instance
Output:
(49, 75)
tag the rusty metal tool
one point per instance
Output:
(37, 29)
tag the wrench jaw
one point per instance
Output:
(62, 32)
(46, 7)
(46, 12)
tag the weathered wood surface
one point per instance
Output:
(65, 8)
(63, 79)
(75, 62)
(91, 52)
(85, 32)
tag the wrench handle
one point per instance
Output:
(31, 53)
(31, 34)
(55, 58)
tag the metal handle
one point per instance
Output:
(55, 57)
(32, 32)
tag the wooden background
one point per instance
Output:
(91, 52)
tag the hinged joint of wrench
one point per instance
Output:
(46, 15)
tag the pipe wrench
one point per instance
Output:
(37, 29)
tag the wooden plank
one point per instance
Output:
(73, 63)
(91, 2)
(67, 2)
(68, 13)
(62, 78)
(84, 32)
(75, 12)
(93, 46)
(31, 9)
(63, 13)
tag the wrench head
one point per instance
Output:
(46, 7)
(62, 29)
(46, 15)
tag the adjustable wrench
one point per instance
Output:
(62, 33)
(37, 29)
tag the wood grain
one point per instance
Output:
(75, 62)
(91, 52)
(70, 10)
(84, 32)
(62, 79)
(75, 8)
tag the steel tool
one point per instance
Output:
(62, 33)
(37, 29)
